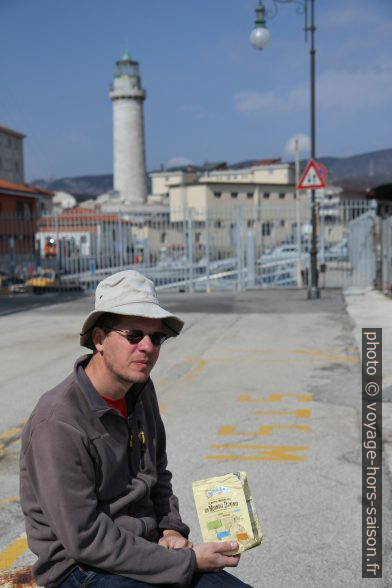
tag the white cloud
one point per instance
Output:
(267, 102)
(348, 16)
(355, 91)
(303, 144)
(178, 161)
(346, 92)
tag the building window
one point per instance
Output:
(29, 210)
(217, 194)
(217, 224)
(266, 195)
(250, 223)
(163, 237)
(234, 194)
(19, 209)
(197, 237)
(282, 195)
(249, 195)
(17, 166)
(282, 223)
(266, 229)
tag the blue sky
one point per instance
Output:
(210, 95)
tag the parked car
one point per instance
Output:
(282, 252)
(48, 280)
(11, 284)
(337, 252)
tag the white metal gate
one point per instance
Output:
(191, 249)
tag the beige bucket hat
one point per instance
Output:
(127, 293)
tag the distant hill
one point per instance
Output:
(82, 187)
(358, 172)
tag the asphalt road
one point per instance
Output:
(267, 382)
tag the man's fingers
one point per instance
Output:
(232, 561)
(226, 546)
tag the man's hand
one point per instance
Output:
(210, 558)
(173, 539)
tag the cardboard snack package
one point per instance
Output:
(226, 511)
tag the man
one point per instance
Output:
(95, 489)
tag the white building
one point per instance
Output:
(11, 155)
(129, 166)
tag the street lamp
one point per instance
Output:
(259, 38)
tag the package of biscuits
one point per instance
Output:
(226, 511)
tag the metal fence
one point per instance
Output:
(385, 256)
(195, 249)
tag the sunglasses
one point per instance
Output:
(134, 337)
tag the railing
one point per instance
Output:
(194, 249)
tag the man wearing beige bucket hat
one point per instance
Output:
(95, 489)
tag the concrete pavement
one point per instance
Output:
(267, 382)
(369, 308)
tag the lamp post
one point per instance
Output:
(259, 38)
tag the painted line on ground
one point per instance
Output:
(276, 398)
(262, 431)
(283, 356)
(288, 453)
(194, 371)
(10, 500)
(12, 552)
(299, 413)
(10, 436)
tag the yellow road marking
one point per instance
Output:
(254, 458)
(9, 500)
(11, 434)
(300, 412)
(262, 452)
(11, 553)
(262, 431)
(327, 355)
(283, 355)
(276, 398)
(195, 371)
(176, 386)
(8, 437)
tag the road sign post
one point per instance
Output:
(313, 178)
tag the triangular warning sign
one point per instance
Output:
(312, 178)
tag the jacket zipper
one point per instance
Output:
(142, 439)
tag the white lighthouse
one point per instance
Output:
(127, 95)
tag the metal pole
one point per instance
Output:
(240, 247)
(250, 259)
(207, 251)
(297, 214)
(190, 248)
(314, 291)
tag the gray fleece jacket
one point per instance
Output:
(95, 489)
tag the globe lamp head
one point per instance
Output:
(259, 38)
